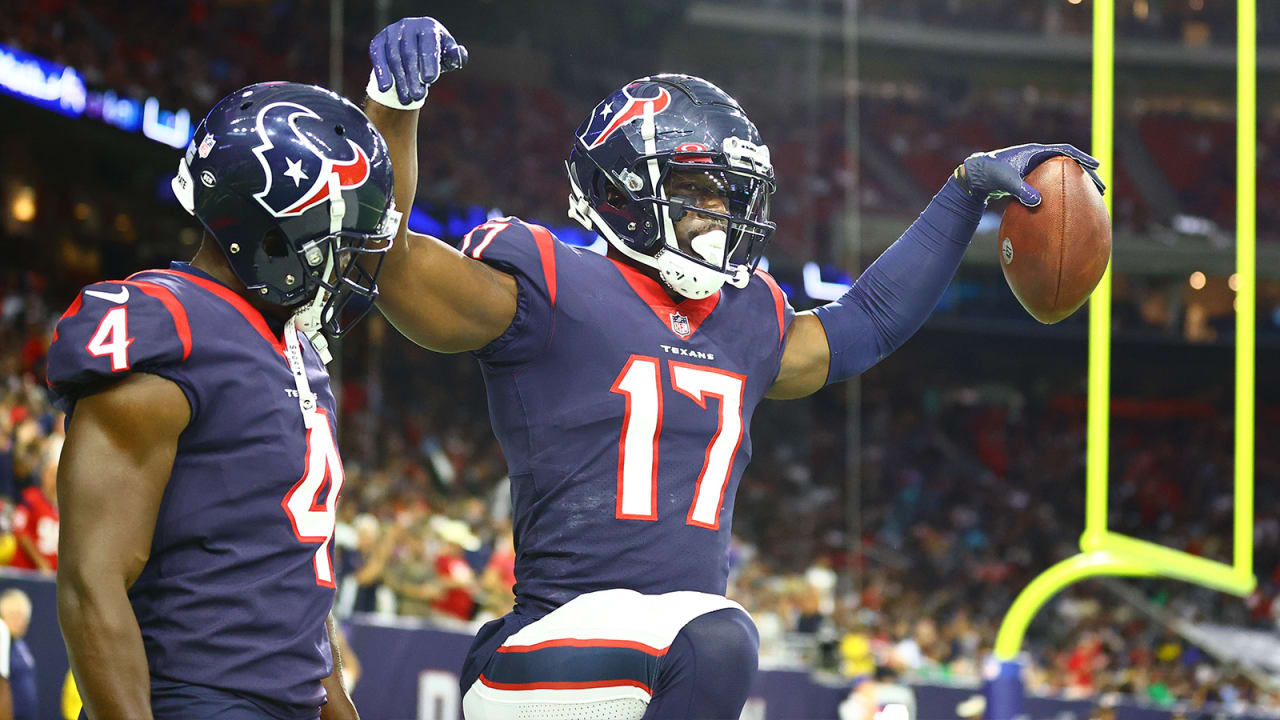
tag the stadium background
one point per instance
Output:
(883, 528)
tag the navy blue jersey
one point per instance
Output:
(240, 578)
(624, 417)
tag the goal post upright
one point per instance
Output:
(1247, 278)
(1098, 407)
(1102, 551)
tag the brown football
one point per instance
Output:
(1054, 254)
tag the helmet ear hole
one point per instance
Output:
(274, 244)
(607, 190)
(614, 196)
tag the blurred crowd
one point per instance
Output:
(969, 488)
(969, 485)
(507, 140)
(1193, 23)
(31, 430)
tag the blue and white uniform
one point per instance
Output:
(625, 420)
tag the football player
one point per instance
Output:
(622, 386)
(200, 471)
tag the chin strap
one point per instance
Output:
(310, 317)
(307, 400)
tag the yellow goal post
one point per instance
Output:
(1103, 552)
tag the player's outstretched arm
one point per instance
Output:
(430, 292)
(115, 465)
(893, 298)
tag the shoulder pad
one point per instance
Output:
(781, 307)
(114, 328)
(516, 247)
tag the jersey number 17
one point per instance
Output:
(640, 383)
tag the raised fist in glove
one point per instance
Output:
(998, 173)
(408, 55)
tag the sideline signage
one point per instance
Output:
(61, 89)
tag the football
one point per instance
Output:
(1054, 254)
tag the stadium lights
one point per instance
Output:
(171, 128)
(819, 289)
(60, 88)
(23, 207)
(1233, 281)
(1197, 280)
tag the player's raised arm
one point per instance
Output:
(893, 298)
(115, 465)
(433, 294)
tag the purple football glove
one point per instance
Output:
(410, 54)
(998, 173)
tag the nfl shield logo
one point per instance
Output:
(680, 324)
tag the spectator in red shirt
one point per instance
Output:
(452, 567)
(35, 520)
(499, 576)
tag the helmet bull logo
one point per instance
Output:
(297, 172)
(619, 109)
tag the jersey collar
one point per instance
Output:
(681, 318)
(272, 331)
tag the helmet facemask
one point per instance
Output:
(344, 290)
(730, 242)
(648, 214)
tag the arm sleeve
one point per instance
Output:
(528, 253)
(893, 298)
(113, 329)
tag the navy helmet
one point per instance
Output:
(633, 140)
(294, 183)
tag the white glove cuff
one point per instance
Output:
(389, 97)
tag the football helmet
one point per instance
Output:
(626, 149)
(294, 183)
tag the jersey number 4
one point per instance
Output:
(314, 515)
(640, 383)
(112, 338)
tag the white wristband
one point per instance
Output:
(389, 97)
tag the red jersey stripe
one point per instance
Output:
(586, 642)
(179, 313)
(249, 312)
(70, 312)
(546, 251)
(779, 301)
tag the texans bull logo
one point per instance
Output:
(298, 172)
(621, 108)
